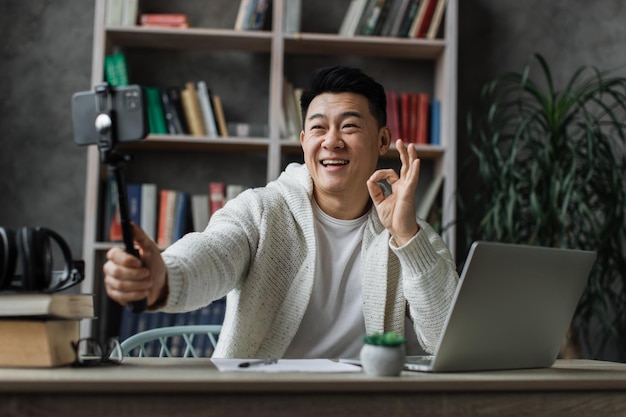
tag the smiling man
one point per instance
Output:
(318, 258)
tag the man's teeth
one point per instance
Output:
(334, 162)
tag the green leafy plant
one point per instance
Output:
(550, 169)
(384, 339)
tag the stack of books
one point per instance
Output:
(38, 329)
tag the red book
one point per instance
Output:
(217, 196)
(167, 207)
(393, 121)
(428, 17)
(405, 116)
(163, 18)
(414, 118)
(423, 102)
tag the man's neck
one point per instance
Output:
(343, 208)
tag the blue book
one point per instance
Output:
(133, 192)
(181, 215)
(435, 122)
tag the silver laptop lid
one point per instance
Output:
(512, 307)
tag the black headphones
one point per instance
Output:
(32, 245)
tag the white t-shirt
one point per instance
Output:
(333, 324)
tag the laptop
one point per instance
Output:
(511, 310)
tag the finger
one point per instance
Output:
(404, 157)
(121, 257)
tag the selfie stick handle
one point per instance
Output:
(106, 145)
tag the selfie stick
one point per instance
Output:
(105, 126)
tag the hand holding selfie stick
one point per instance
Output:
(105, 126)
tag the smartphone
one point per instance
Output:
(128, 112)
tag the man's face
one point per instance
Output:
(341, 143)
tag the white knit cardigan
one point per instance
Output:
(260, 250)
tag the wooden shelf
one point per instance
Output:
(191, 38)
(371, 46)
(197, 143)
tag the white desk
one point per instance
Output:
(190, 387)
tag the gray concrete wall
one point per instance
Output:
(45, 56)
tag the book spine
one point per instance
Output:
(293, 10)
(219, 115)
(167, 208)
(133, 192)
(156, 115)
(181, 215)
(435, 122)
(206, 105)
(163, 18)
(191, 106)
(433, 29)
(427, 17)
(217, 196)
(423, 102)
(131, 8)
(174, 97)
(149, 209)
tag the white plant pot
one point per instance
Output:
(382, 360)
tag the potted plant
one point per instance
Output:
(551, 171)
(383, 354)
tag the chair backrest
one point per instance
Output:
(173, 341)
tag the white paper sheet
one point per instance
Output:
(286, 365)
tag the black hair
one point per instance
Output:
(339, 79)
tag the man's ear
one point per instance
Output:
(384, 140)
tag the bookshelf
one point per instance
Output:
(248, 68)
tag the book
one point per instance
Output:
(258, 21)
(423, 103)
(133, 194)
(156, 116)
(164, 19)
(419, 17)
(191, 106)
(426, 19)
(393, 119)
(232, 191)
(171, 118)
(114, 11)
(217, 196)
(245, 14)
(206, 107)
(178, 113)
(351, 18)
(148, 217)
(115, 69)
(393, 9)
(37, 343)
(219, 116)
(182, 210)
(435, 122)
(409, 17)
(405, 116)
(435, 23)
(372, 21)
(413, 117)
(167, 210)
(129, 15)
(291, 17)
(200, 211)
(397, 17)
(291, 111)
(113, 225)
(365, 15)
(56, 305)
